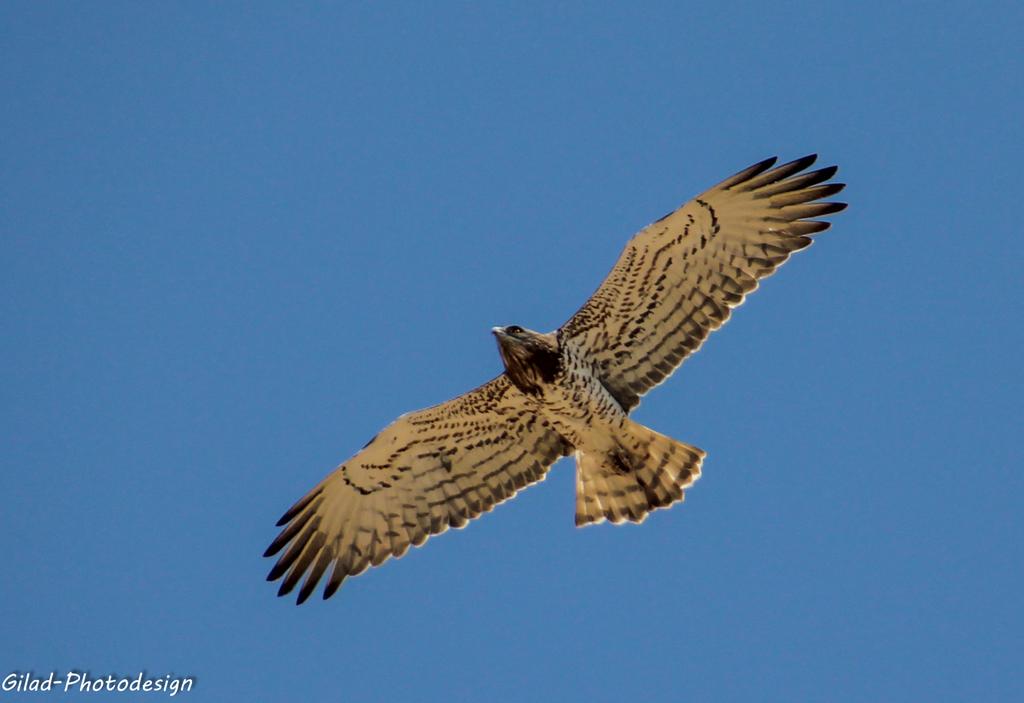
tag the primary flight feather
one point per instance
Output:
(567, 391)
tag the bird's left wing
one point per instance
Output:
(424, 472)
(678, 279)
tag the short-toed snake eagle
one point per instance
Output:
(567, 391)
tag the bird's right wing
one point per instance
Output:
(426, 471)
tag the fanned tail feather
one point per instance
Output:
(648, 471)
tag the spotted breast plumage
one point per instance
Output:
(565, 392)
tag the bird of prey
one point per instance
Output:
(565, 392)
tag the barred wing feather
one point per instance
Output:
(679, 278)
(427, 471)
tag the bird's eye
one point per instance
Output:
(514, 329)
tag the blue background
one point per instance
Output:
(239, 239)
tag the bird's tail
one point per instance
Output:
(647, 471)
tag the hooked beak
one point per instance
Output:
(498, 332)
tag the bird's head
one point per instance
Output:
(531, 358)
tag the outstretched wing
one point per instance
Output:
(679, 278)
(426, 471)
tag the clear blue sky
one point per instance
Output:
(239, 239)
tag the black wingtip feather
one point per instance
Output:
(799, 181)
(315, 574)
(831, 209)
(780, 172)
(748, 173)
(290, 531)
(823, 174)
(803, 162)
(297, 508)
(333, 585)
(277, 571)
(311, 551)
(296, 550)
(757, 169)
(829, 189)
(804, 227)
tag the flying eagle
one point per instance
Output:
(564, 392)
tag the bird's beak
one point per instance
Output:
(498, 331)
